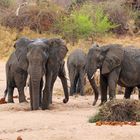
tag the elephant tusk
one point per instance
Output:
(27, 81)
(44, 82)
(92, 76)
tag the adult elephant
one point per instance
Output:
(42, 57)
(15, 78)
(117, 65)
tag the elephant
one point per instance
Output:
(42, 58)
(76, 67)
(76, 64)
(118, 65)
(15, 78)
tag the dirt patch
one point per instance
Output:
(63, 121)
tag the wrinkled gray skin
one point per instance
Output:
(15, 78)
(42, 57)
(117, 65)
(76, 67)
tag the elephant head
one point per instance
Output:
(105, 58)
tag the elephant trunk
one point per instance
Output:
(35, 90)
(90, 72)
(35, 94)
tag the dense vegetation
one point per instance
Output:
(72, 20)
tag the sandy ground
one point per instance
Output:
(62, 122)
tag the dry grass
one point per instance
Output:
(8, 37)
(118, 110)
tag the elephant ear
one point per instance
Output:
(113, 57)
(21, 52)
(57, 48)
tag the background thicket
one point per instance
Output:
(73, 20)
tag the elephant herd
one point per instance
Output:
(38, 62)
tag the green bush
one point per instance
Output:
(75, 26)
(86, 21)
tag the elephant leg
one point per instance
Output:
(76, 82)
(78, 86)
(31, 97)
(47, 92)
(40, 94)
(128, 91)
(10, 94)
(72, 75)
(95, 89)
(81, 82)
(112, 83)
(21, 95)
(103, 86)
(62, 76)
(52, 85)
(139, 92)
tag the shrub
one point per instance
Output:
(75, 26)
(37, 18)
(84, 22)
(7, 37)
(118, 14)
(118, 110)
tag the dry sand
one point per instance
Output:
(62, 122)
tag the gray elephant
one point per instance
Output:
(76, 67)
(117, 65)
(15, 78)
(42, 57)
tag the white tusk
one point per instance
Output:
(44, 82)
(92, 76)
(27, 81)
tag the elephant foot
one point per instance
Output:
(10, 101)
(94, 103)
(22, 99)
(82, 94)
(65, 100)
(45, 106)
(102, 103)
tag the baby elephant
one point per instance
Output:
(76, 67)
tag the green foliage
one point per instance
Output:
(6, 3)
(75, 26)
(95, 118)
(101, 22)
(84, 22)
